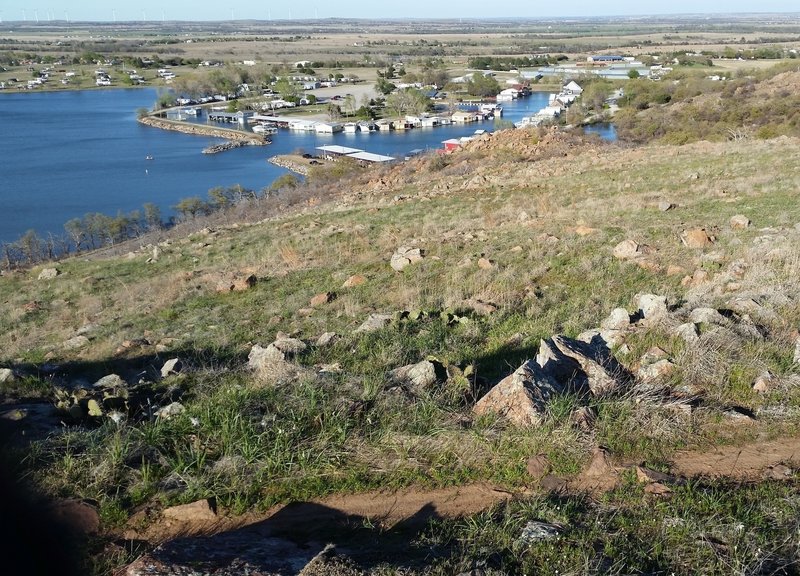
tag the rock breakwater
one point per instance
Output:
(200, 130)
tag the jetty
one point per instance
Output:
(230, 145)
(203, 130)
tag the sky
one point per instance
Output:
(155, 10)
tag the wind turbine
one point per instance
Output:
(114, 15)
(36, 15)
(24, 15)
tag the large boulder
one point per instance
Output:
(604, 374)
(522, 397)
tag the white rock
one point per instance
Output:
(706, 316)
(48, 273)
(619, 319)
(688, 332)
(171, 366)
(6, 375)
(652, 307)
(170, 410)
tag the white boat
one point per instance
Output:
(192, 111)
(264, 129)
(350, 128)
(367, 127)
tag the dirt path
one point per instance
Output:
(372, 525)
(748, 462)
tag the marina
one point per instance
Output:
(41, 138)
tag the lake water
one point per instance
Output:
(68, 153)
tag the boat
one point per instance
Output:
(148, 157)
(192, 111)
(367, 127)
(350, 128)
(264, 129)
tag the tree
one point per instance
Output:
(384, 86)
(407, 101)
(633, 74)
(289, 91)
(31, 246)
(482, 85)
(76, 231)
(152, 216)
(349, 104)
(191, 207)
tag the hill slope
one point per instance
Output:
(468, 266)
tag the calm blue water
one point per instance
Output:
(68, 153)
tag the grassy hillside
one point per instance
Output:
(517, 234)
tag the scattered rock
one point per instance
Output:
(354, 280)
(289, 346)
(687, 332)
(566, 370)
(521, 397)
(707, 316)
(480, 307)
(547, 238)
(652, 308)
(654, 354)
(739, 222)
(657, 370)
(237, 283)
(323, 298)
(779, 472)
(699, 278)
(6, 375)
(619, 319)
(764, 382)
(404, 256)
(375, 322)
(647, 475)
(665, 206)
(696, 238)
(675, 270)
(418, 376)
(626, 250)
(326, 339)
(199, 511)
(536, 531)
(75, 343)
(604, 374)
(110, 381)
(485, 263)
(48, 273)
(170, 410)
(796, 357)
(171, 366)
(538, 466)
(657, 489)
(266, 361)
(516, 249)
(600, 464)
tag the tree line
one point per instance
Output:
(95, 230)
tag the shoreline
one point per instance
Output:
(201, 130)
(289, 162)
